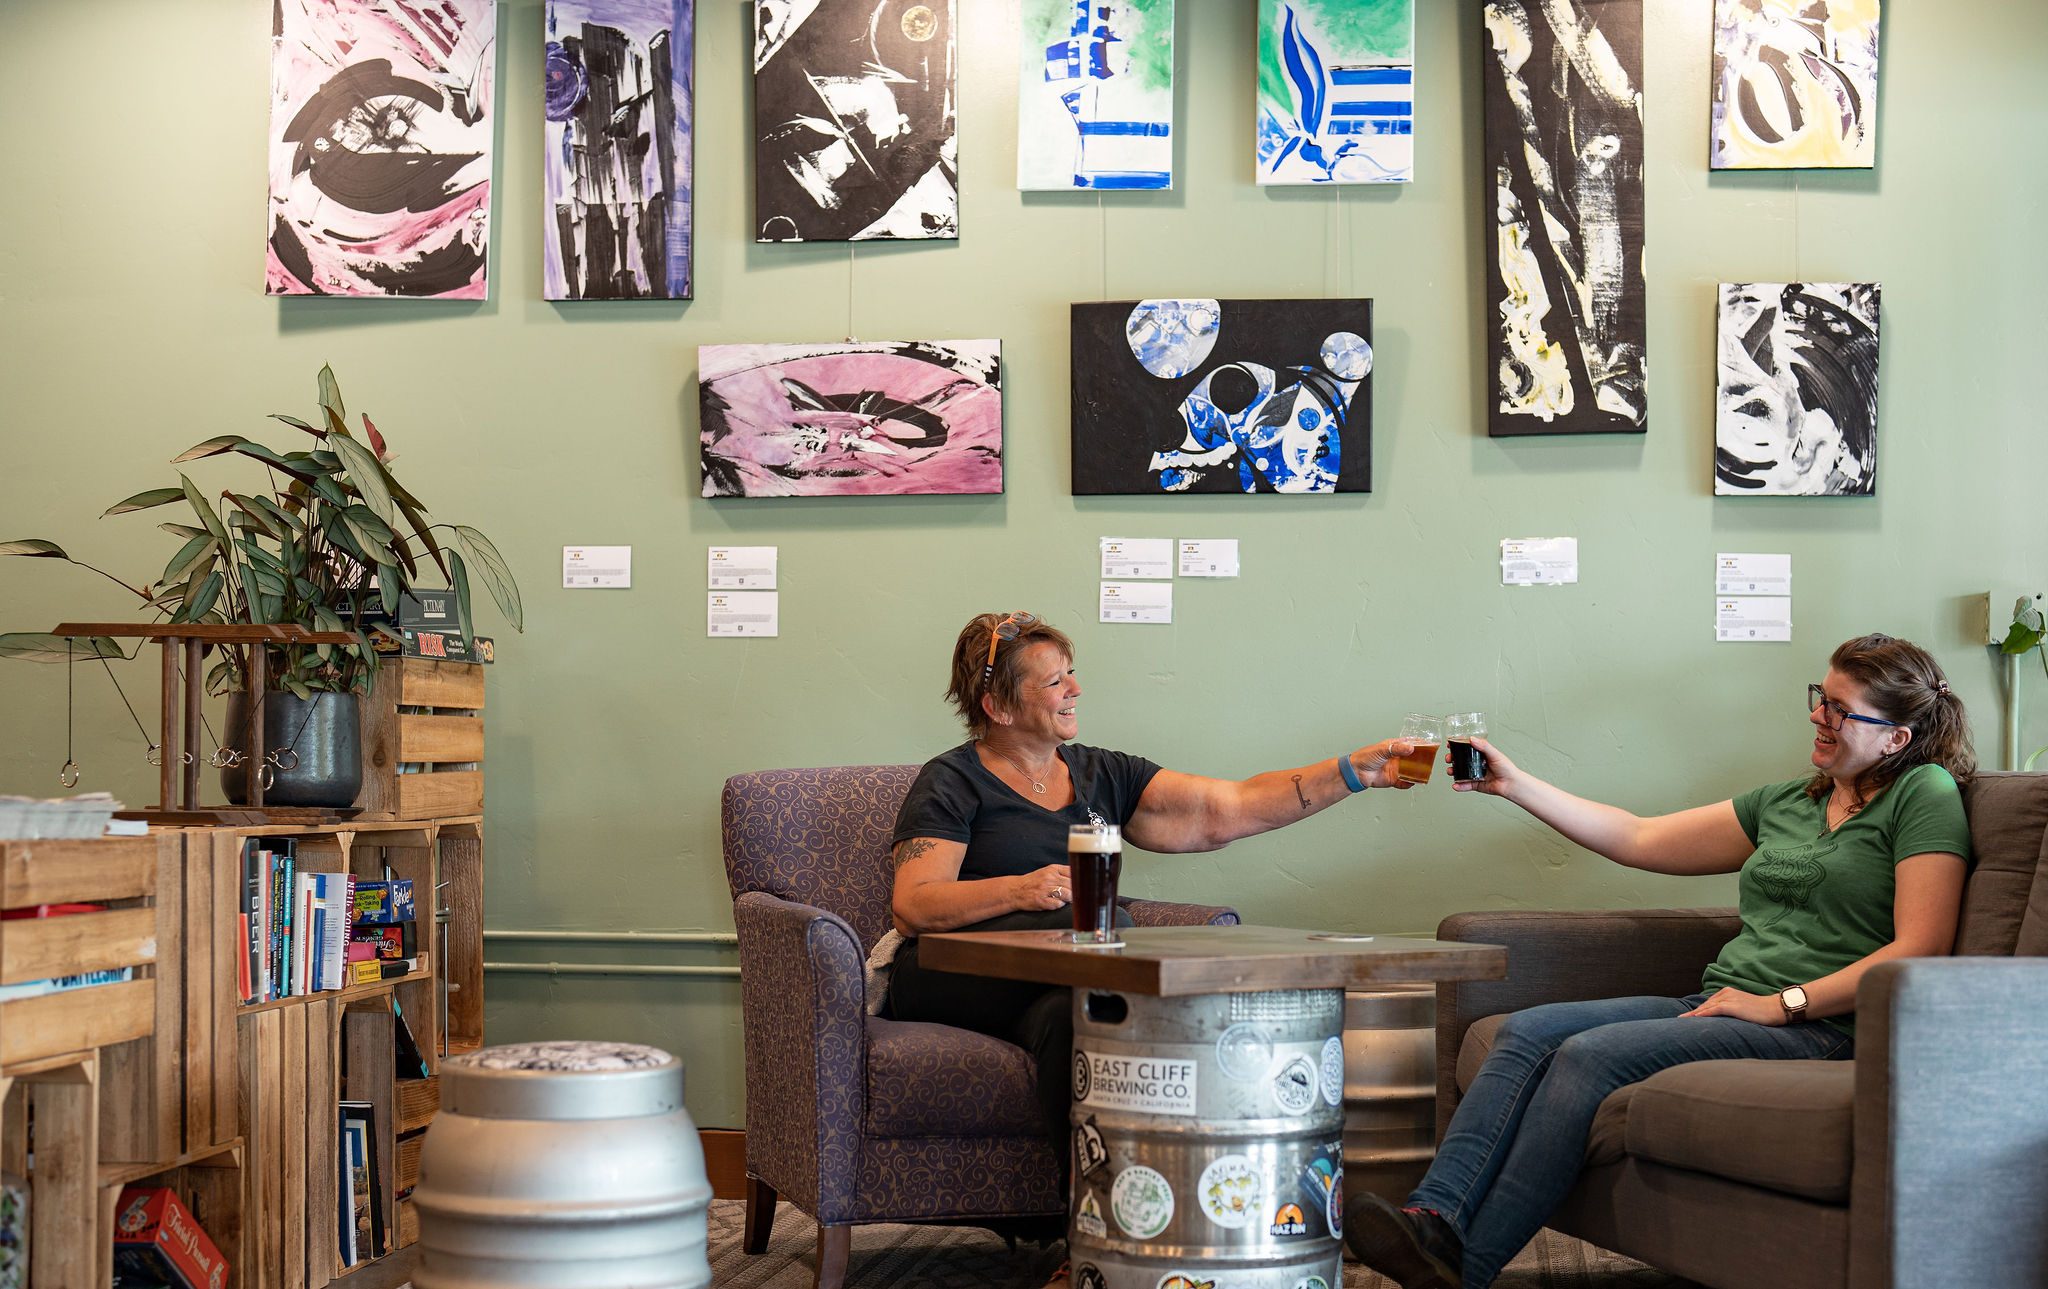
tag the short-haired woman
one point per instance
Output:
(1859, 863)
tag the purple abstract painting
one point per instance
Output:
(852, 420)
(380, 147)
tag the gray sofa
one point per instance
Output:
(1922, 1162)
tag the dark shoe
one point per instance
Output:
(1415, 1249)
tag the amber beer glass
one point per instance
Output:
(1468, 763)
(1428, 733)
(1095, 857)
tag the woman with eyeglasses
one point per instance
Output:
(981, 840)
(1860, 862)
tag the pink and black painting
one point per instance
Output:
(380, 147)
(882, 418)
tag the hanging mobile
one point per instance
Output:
(68, 776)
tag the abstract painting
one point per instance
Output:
(1796, 409)
(1095, 95)
(1563, 90)
(380, 147)
(1336, 91)
(616, 149)
(855, 105)
(851, 420)
(1269, 396)
(1795, 84)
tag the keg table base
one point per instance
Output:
(1208, 1077)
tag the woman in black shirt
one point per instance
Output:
(981, 840)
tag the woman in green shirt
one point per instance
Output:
(1859, 863)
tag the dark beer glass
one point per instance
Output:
(1468, 763)
(1095, 857)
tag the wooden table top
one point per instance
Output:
(1170, 961)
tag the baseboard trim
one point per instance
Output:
(725, 1161)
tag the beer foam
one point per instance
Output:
(1094, 843)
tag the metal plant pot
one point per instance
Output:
(314, 747)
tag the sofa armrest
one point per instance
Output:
(802, 977)
(1566, 957)
(1161, 913)
(1951, 1172)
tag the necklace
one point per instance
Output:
(1037, 785)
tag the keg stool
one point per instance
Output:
(566, 1163)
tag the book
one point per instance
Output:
(60, 984)
(354, 1194)
(360, 1120)
(389, 940)
(157, 1242)
(411, 1062)
(384, 901)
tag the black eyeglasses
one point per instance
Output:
(1011, 626)
(1816, 698)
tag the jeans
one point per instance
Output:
(1515, 1145)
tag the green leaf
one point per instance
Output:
(35, 647)
(330, 492)
(388, 588)
(200, 602)
(368, 523)
(330, 399)
(266, 581)
(2020, 639)
(145, 500)
(34, 548)
(259, 518)
(497, 576)
(296, 424)
(461, 584)
(207, 514)
(187, 558)
(210, 448)
(291, 522)
(367, 474)
(289, 464)
(299, 687)
(184, 530)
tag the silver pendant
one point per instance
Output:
(1038, 787)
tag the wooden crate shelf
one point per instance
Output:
(429, 713)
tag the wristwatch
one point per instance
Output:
(1793, 999)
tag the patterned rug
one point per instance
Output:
(940, 1257)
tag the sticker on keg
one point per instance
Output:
(1088, 1218)
(1147, 1084)
(1142, 1201)
(1333, 1069)
(1294, 1087)
(1090, 1154)
(1313, 1282)
(1089, 1276)
(1230, 1191)
(1288, 1221)
(1182, 1280)
(1322, 1184)
(1244, 1052)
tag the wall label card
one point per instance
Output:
(1745, 619)
(744, 613)
(742, 567)
(1208, 556)
(1137, 557)
(1752, 575)
(603, 567)
(1539, 561)
(1136, 602)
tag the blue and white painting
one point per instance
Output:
(1336, 91)
(1095, 95)
(1200, 395)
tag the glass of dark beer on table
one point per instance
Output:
(1095, 857)
(1468, 763)
(1428, 733)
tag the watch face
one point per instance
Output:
(1795, 998)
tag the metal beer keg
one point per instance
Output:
(1389, 1089)
(554, 1164)
(1208, 1141)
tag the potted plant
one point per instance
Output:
(327, 536)
(2029, 634)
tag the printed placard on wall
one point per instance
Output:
(1336, 98)
(1796, 408)
(1795, 85)
(851, 420)
(1563, 87)
(617, 149)
(380, 148)
(1267, 396)
(855, 104)
(1095, 95)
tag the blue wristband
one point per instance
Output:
(1350, 773)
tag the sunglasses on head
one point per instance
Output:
(1009, 627)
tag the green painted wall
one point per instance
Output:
(133, 324)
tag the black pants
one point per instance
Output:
(1038, 1018)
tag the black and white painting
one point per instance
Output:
(1198, 395)
(1796, 409)
(855, 105)
(1564, 163)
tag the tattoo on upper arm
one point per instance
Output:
(1299, 793)
(915, 848)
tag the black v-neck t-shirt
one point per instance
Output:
(956, 798)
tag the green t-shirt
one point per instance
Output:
(1814, 901)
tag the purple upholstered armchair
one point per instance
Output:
(850, 1117)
